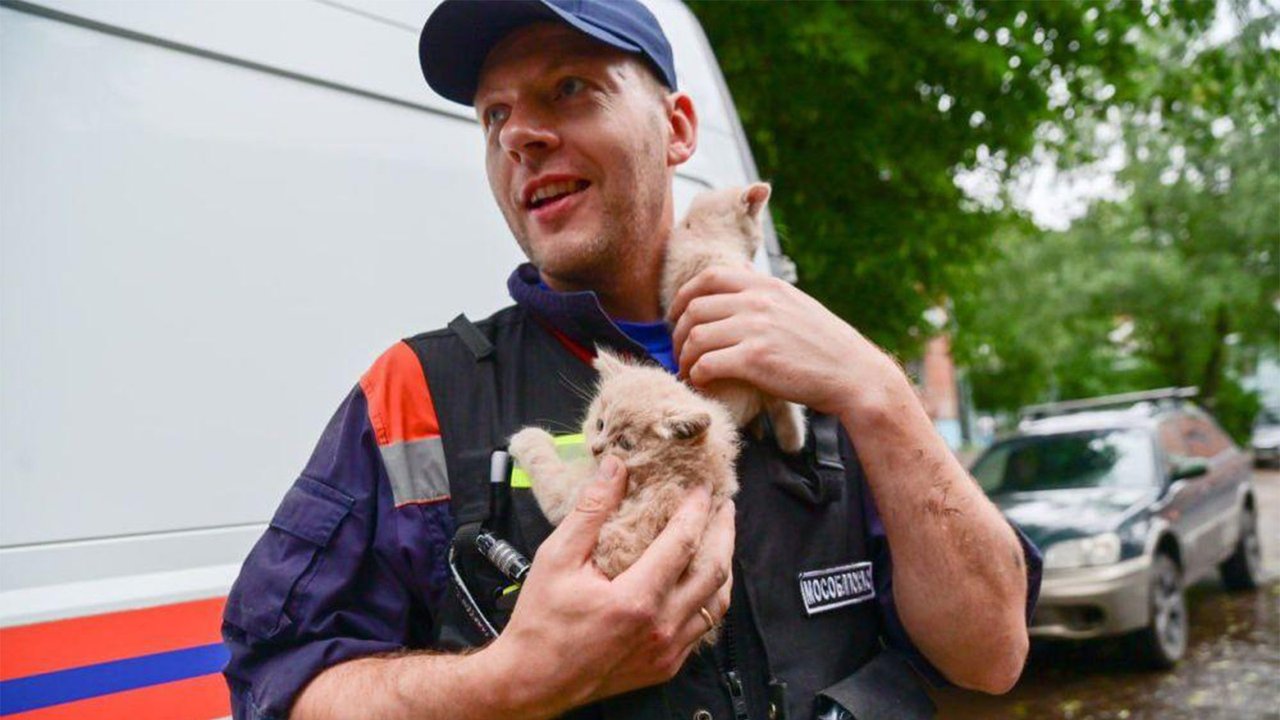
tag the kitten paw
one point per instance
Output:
(789, 427)
(529, 443)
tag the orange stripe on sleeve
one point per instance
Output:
(61, 644)
(199, 698)
(400, 406)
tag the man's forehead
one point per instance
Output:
(539, 47)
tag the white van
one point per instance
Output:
(213, 217)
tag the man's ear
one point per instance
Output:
(686, 425)
(755, 196)
(607, 364)
(682, 121)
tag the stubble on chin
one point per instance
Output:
(598, 258)
(579, 265)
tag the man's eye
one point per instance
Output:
(495, 115)
(572, 86)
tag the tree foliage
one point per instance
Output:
(1177, 283)
(862, 113)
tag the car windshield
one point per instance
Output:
(1102, 458)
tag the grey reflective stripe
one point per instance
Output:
(417, 470)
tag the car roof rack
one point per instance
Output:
(1162, 397)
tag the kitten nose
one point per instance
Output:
(597, 447)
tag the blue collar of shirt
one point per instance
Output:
(656, 339)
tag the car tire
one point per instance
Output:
(1163, 642)
(1243, 569)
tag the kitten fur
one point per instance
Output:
(670, 439)
(724, 227)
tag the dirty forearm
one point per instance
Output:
(959, 574)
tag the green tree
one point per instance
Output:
(1176, 284)
(862, 113)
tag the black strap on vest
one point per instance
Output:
(474, 507)
(826, 438)
(820, 475)
(826, 455)
(471, 336)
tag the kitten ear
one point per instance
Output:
(755, 196)
(606, 363)
(686, 426)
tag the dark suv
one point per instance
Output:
(1131, 498)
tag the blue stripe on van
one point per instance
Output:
(64, 686)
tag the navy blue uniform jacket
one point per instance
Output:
(353, 561)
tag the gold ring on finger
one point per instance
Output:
(706, 615)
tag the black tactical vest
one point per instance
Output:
(795, 515)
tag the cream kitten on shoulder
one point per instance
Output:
(724, 227)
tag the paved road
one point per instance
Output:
(1231, 672)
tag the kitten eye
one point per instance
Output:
(599, 424)
(624, 442)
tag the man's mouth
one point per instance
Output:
(555, 192)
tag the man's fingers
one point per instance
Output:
(695, 625)
(579, 531)
(734, 361)
(706, 338)
(711, 570)
(718, 279)
(665, 560)
(703, 310)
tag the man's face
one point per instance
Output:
(576, 148)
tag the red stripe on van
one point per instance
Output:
(400, 407)
(201, 698)
(76, 642)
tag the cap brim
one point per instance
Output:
(459, 35)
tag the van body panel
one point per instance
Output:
(213, 217)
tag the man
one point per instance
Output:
(344, 606)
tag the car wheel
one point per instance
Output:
(1242, 570)
(1164, 640)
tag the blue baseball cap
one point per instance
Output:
(460, 33)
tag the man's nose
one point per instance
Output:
(527, 133)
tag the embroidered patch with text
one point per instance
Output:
(824, 590)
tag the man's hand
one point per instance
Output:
(576, 636)
(734, 323)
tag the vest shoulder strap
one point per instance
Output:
(471, 336)
(459, 363)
